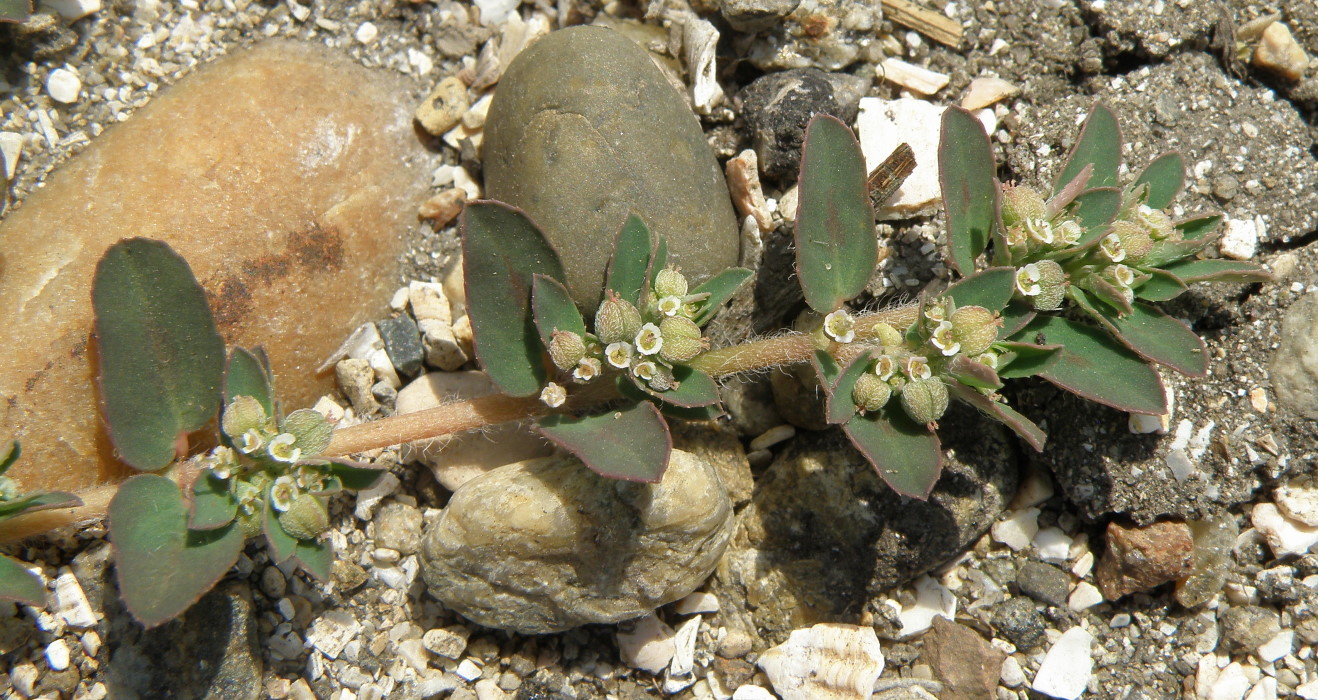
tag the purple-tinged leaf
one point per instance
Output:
(694, 389)
(836, 248)
(1166, 252)
(1063, 199)
(1094, 366)
(213, 503)
(1160, 286)
(839, 406)
(630, 389)
(19, 585)
(248, 374)
(1015, 317)
(553, 309)
(1102, 289)
(1157, 337)
(966, 172)
(906, 456)
(161, 357)
(1019, 424)
(501, 252)
(720, 289)
(630, 267)
(162, 566)
(990, 288)
(1199, 227)
(826, 368)
(312, 556)
(1100, 145)
(1095, 209)
(1020, 360)
(1214, 270)
(632, 443)
(973, 373)
(1164, 176)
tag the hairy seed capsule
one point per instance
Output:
(975, 327)
(924, 400)
(870, 392)
(1135, 240)
(1052, 286)
(670, 283)
(305, 518)
(682, 339)
(242, 415)
(1156, 222)
(1020, 204)
(616, 320)
(566, 349)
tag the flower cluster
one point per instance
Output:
(645, 342)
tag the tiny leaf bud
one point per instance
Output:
(889, 337)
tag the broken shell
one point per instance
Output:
(824, 662)
(986, 91)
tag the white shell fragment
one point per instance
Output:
(921, 81)
(881, 125)
(932, 599)
(64, 86)
(1298, 499)
(699, 41)
(681, 670)
(828, 661)
(648, 646)
(1066, 668)
(1284, 536)
(987, 90)
(1018, 529)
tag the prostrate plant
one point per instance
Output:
(17, 583)
(163, 374)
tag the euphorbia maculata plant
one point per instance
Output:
(1066, 293)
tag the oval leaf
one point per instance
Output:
(990, 288)
(632, 443)
(966, 171)
(1099, 144)
(720, 289)
(213, 504)
(1090, 362)
(1020, 360)
(1160, 286)
(1199, 227)
(1165, 177)
(630, 266)
(906, 456)
(310, 430)
(694, 389)
(248, 374)
(1214, 270)
(162, 567)
(1095, 209)
(312, 556)
(42, 500)
(839, 406)
(1019, 424)
(1157, 337)
(836, 248)
(502, 250)
(161, 357)
(554, 309)
(19, 585)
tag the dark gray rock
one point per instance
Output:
(584, 129)
(778, 106)
(823, 533)
(1278, 585)
(211, 652)
(1247, 627)
(1019, 623)
(402, 342)
(1294, 367)
(755, 15)
(1045, 583)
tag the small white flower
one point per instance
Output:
(1112, 248)
(840, 326)
(619, 355)
(649, 340)
(1027, 280)
(250, 441)
(1070, 232)
(1016, 236)
(281, 448)
(989, 359)
(587, 369)
(222, 461)
(282, 493)
(553, 395)
(885, 367)
(1123, 275)
(943, 339)
(1040, 230)
(669, 306)
(935, 312)
(309, 478)
(918, 367)
(644, 370)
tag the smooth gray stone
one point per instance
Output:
(583, 130)
(1294, 368)
(546, 545)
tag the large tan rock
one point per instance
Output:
(286, 175)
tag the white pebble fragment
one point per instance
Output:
(1277, 647)
(1012, 675)
(932, 599)
(1284, 536)
(825, 662)
(772, 437)
(752, 692)
(11, 149)
(1298, 499)
(883, 123)
(1265, 689)
(648, 646)
(1066, 668)
(1241, 238)
(64, 86)
(1018, 529)
(1231, 684)
(681, 670)
(917, 79)
(468, 670)
(72, 10)
(71, 603)
(331, 632)
(494, 12)
(698, 602)
(57, 655)
(1085, 596)
(366, 33)
(1053, 545)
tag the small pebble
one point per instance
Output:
(1279, 52)
(1018, 529)
(448, 642)
(57, 655)
(1066, 668)
(1085, 595)
(366, 33)
(468, 670)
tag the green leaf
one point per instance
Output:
(826, 368)
(990, 288)
(658, 260)
(1103, 290)
(973, 373)
(161, 358)
(1095, 210)
(720, 288)
(1100, 144)
(1015, 317)
(15, 11)
(162, 566)
(1020, 360)
(1166, 252)
(1019, 424)
(1094, 366)
(629, 268)
(631, 443)
(839, 407)
(695, 389)
(836, 248)
(1198, 227)
(502, 250)
(631, 389)
(19, 585)
(1157, 337)
(316, 558)
(907, 457)
(41, 500)
(554, 309)
(966, 171)
(1165, 177)
(310, 430)
(248, 374)
(1161, 286)
(9, 456)
(312, 556)
(354, 476)
(213, 504)
(1214, 270)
